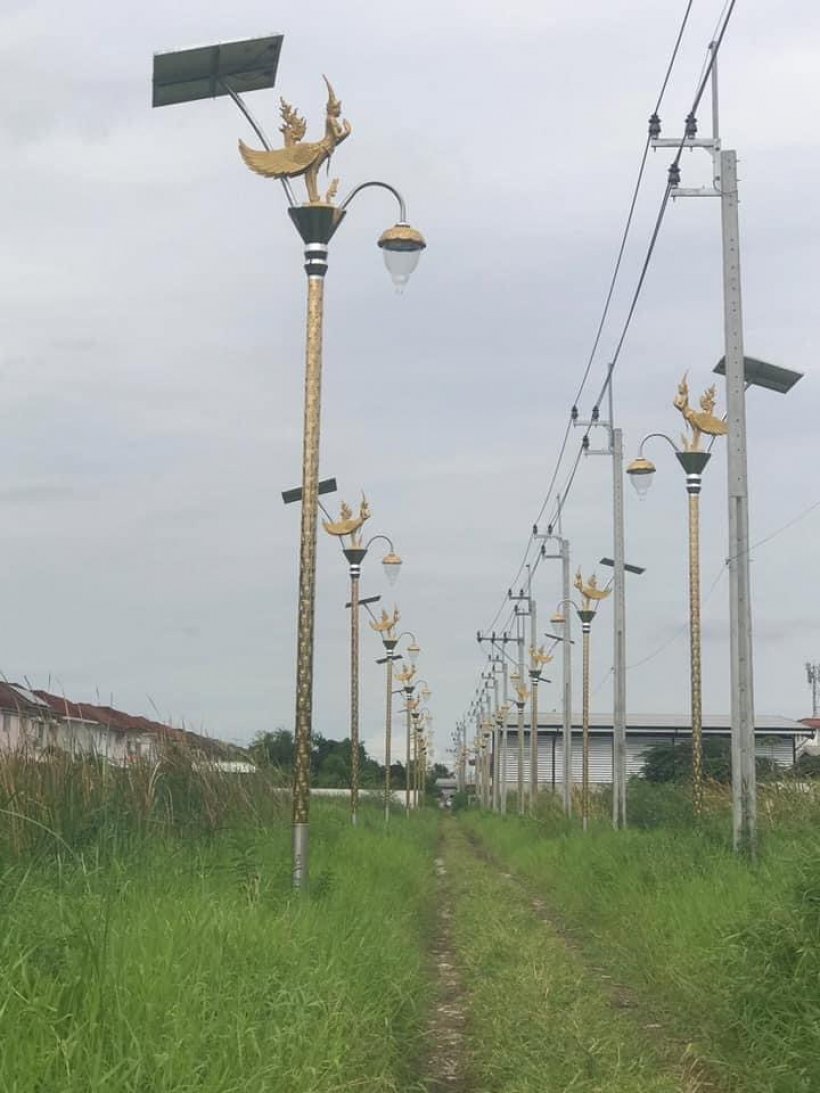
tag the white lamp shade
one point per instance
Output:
(641, 482)
(413, 651)
(391, 564)
(400, 264)
(402, 246)
(641, 473)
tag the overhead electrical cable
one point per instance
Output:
(607, 301)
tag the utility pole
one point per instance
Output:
(813, 677)
(566, 656)
(520, 614)
(744, 785)
(615, 450)
(498, 643)
(535, 678)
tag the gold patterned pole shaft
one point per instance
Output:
(354, 694)
(694, 653)
(585, 743)
(407, 693)
(315, 225)
(693, 461)
(307, 579)
(533, 741)
(388, 735)
(520, 781)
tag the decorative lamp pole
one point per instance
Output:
(349, 527)
(538, 658)
(386, 628)
(228, 69)
(693, 460)
(412, 650)
(405, 679)
(590, 594)
(521, 696)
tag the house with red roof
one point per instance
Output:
(40, 723)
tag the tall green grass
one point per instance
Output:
(730, 952)
(150, 940)
(537, 1022)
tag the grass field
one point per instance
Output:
(539, 1022)
(157, 951)
(150, 942)
(728, 952)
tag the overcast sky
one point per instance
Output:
(152, 330)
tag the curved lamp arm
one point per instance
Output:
(641, 470)
(383, 186)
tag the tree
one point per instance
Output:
(672, 762)
(274, 748)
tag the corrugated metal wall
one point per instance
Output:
(551, 756)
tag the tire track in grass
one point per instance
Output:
(445, 1064)
(674, 1053)
(538, 1020)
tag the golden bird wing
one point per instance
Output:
(708, 423)
(597, 593)
(343, 527)
(279, 162)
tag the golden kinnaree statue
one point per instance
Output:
(539, 657)
(406, 675)
(698, 422)
(590, 591)
(522, 692)
(297, 159)
(387, 623)
(348, 524)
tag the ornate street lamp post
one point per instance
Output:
(538, 658)
(590, 594)
(348, 529)
(521, 696)
(386, 628)
(693, 460)
(230, 69)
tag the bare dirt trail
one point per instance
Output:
(445, 1067)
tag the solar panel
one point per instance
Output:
(202, 72)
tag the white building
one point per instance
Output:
(776, 738)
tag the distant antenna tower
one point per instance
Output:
(813, 677)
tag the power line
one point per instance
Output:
(714, 46)
(607, 302)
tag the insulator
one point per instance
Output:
(585, 442)
(674, 175)
(549, 532)
(691, 127)
(654, 127)
(574, 413)
(535, 529)
(595, 412)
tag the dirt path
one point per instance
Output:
(446, 1060)
(673, 1050)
